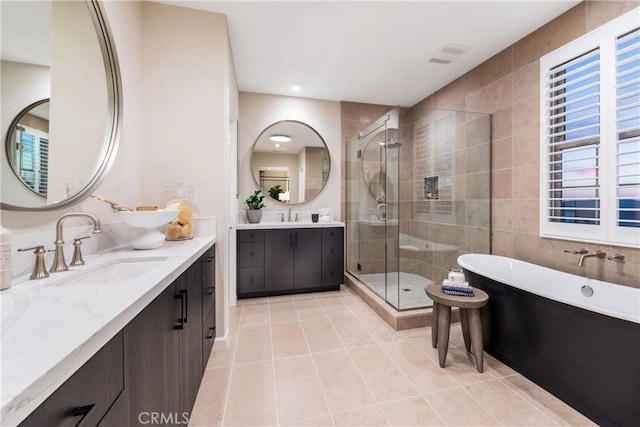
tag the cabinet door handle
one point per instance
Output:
(186, 303)
(211, 333)
(182, 298)
(208, 259)
(82, 411)
(210, 290)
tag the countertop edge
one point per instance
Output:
(16, 408)
(286, 225)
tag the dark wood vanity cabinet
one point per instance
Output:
(289, 260)
(87, 395)
(150, 372)
(208, 336)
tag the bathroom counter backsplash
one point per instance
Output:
(51, 327)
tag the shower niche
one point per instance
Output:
(418, 196)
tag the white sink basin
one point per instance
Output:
(117, 270)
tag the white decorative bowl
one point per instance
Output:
(151, 238)
(148, 219)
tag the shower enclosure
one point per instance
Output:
(418, 195)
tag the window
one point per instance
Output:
(590, 136)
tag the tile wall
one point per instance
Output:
(507, 87)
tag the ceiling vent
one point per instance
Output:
(448, 53)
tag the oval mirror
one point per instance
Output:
(60, 107)
(290, 162)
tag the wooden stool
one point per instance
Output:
(469, 320)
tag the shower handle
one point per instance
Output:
(382, 211)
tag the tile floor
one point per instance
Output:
(326, 359)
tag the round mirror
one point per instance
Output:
(60, 102)
(290, 162)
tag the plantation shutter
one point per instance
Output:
(627, 159)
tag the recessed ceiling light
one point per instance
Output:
(277, 145)
(296, 88)
(280, 138)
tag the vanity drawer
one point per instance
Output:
(334, 233)
(250, 255)
(250, 280)
(208, 337)
(332, 273)
(332, 251)
(250, 236)
(89, 392)
(208, 281)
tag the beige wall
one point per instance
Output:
(257, 111)
(507, 86)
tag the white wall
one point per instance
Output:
(188, 90)
(258, 111)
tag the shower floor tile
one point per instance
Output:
(411, 287)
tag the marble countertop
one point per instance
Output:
(300, 224)
(51, 327)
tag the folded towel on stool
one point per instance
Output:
(446, 282)
(467, 290)
(457, 293)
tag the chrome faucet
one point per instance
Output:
(598, 254)
(59, 264)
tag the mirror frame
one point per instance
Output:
(267, 197)
(8, 143)
(114, 113)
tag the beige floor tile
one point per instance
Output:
(341, 382)
(378, 328)
(457, 408)
(506, 405)
(497, 368)
(320, 335)
(351, 331)
(369, 416)
(224, 356)
(424, 373)
(298, 390)
(252, 396)
(279, 298)
(413, 412)
(462, 368)
(385, 380)
(253, 301)
(334, 306)
(254, 315)
(302, 297)
(554, 408)
(288, 339)
(330, 294)
(235, 313)
(324, 421)
(417, 332)
(355, 304)
(283, 311)
(309, 309)
(208, 409)
(254, 344)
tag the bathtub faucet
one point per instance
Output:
(598, 254)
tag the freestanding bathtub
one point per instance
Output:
(578, 338)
